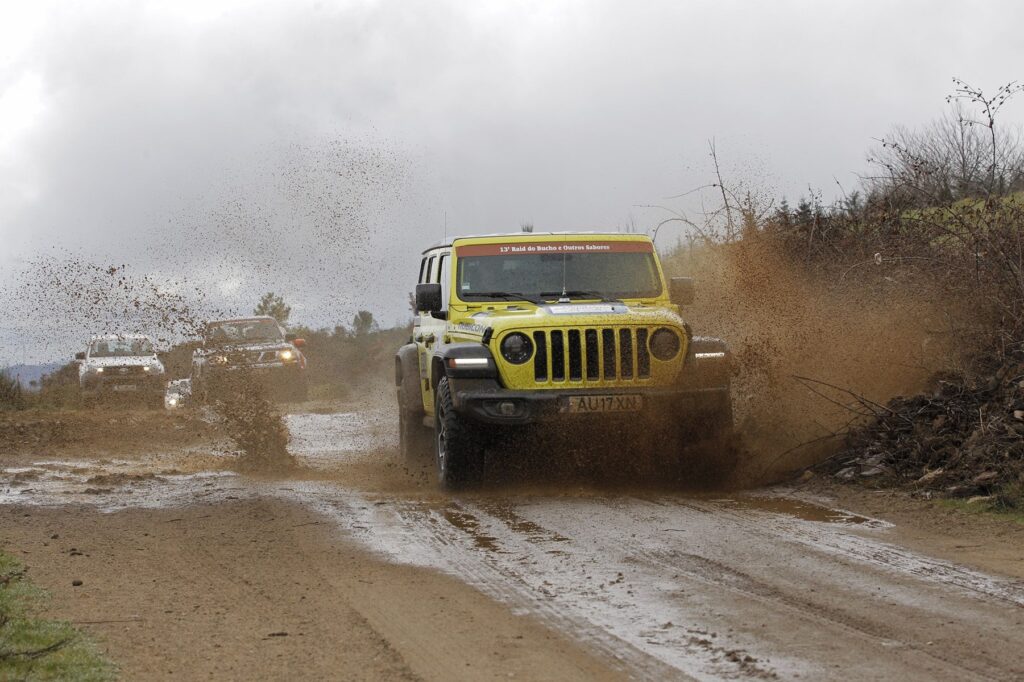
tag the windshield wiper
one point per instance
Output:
(509, 296)
(578, 293)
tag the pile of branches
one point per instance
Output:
(963, 438)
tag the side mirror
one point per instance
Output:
(428, 297)
(681, 290)
(298, 343)
(80, 355)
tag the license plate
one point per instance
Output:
(125, 387)
(602, 403)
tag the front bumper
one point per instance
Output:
(273, 375)
(99, 383)
(484, 400)
(258, 368)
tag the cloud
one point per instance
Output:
(313, 148)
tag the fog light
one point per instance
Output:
(507, 409)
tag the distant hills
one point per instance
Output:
(29, 373)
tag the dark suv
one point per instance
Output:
(256, 347)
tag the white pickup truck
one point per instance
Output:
(116, 364)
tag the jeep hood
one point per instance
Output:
(571, 315)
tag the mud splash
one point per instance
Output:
(253, 423)
(807, 348)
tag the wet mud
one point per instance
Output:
(666, 583)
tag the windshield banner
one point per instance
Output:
(554, 248)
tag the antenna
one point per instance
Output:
(446, 225)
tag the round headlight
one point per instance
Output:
(517, 348)
(664, 344)
(286, 354)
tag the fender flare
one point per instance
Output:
(441, 362)
(406, 360)
(708, 363)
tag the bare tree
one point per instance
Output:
(961, 155)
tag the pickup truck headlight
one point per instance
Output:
(664, 344)
(287, 354)
(517, 348)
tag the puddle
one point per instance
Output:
(806, 511)
(107, 484)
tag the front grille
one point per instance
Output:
(124, 371)
(591, 355)
(246, 357)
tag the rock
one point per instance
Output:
(979, 498)
(806, 476)
(1018, 414)
(985, 477)
(872, 471)
(873, 461)
(846, 474)
(76, 583)
(930, 476)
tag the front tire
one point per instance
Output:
(458, 448)
(712, 458)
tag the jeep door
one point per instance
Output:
(428, 330)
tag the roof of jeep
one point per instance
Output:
(526, 236)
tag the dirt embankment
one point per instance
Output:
(261, 589)
(102, 432)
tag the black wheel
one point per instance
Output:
(458, 447)
(414, 439)
(710, 454)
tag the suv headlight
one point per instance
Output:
(517, 348)
(664, 344)
(287, 354)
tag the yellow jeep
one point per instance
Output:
(550, 329)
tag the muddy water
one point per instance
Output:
(672, 585)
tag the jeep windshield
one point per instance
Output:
(544, 271)
(243, 331)
(119, 348)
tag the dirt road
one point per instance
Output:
(376, 575)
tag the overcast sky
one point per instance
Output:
(313, 148)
